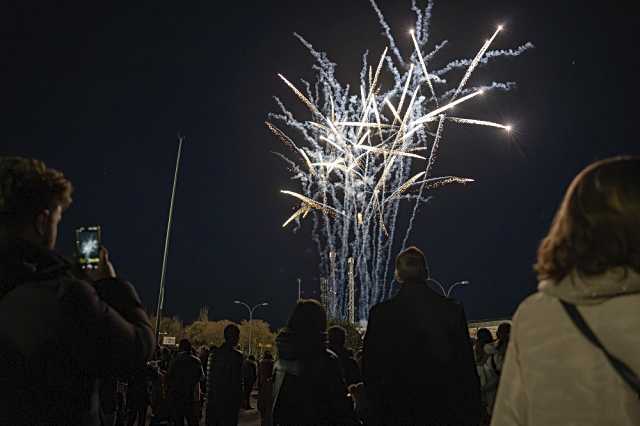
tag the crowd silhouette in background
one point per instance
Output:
(77, 348)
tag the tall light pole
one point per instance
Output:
(166, 241)
(299, 288)
(250, 309)
(448, 292)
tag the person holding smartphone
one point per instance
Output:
(63, 328)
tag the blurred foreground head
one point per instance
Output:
(32, 199)
(597, 226)
(308, 318)
(411, 266)
(337, 336)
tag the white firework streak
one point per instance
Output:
(88, 247)
(357, 151)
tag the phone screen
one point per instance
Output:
(88, 246)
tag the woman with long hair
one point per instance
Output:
(309, 388)
(589, 271)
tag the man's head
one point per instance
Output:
(411, 266)
(32, 199)
(184, 345)
(232, 334)
(337, 336)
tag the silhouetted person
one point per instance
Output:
(589, 267)
(350, 370)
(309, 388)
(249, 376)
(224, 382)
(60, 329)
(419, 324)
(138, 397)
(265, 388)
(183, 384)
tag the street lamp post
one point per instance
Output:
(448, 292)
(250, 309)
(465, 282)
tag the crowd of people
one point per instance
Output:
(77, 348)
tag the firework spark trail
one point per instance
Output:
(358, 151)
(387, 30)
(427, 173)
(424, 67)
(461, 63)
(475, 62)
(478, 122)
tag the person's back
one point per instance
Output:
(350, 369)
(184, 376)
(224, 381)
(308, 388)
(265, 388)
(418, 366)
(58, 334)
(183, 384)
(589, 261)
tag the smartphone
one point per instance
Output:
(88, 243)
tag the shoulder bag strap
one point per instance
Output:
(628, 375)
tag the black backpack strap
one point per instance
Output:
(628, 375)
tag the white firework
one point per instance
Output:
(354, 154)
(88, 247)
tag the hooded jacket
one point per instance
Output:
(309, 388)
(58, 337)
(552, 374)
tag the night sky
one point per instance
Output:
(101, 91)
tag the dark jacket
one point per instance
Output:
(183, 377)
(224, 386)
(59, 335)
(348, 365)
(309, 388)
(418, 364)
(249, 372)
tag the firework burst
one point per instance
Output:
(354, 155)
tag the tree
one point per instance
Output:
(172, 327)
(262, 338)
(207, 332)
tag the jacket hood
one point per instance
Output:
(592, 290)
(292, 345)
(22, 261)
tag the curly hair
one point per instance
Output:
(28, 186)
(597, 226)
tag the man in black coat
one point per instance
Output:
(59, 334)
(418, 364)
(224, 381)
(183, 384)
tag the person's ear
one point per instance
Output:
(42, 222)
(398, 280)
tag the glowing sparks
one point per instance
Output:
(475, 62)
(359, 152)
(424, 67)
(433, 114)
(479, 123)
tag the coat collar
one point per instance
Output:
(579, 289)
